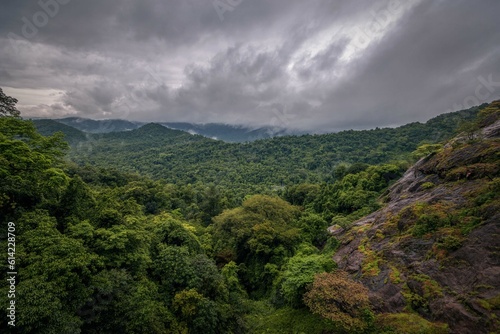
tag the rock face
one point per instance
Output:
(434, 248)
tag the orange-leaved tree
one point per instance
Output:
(337, 297)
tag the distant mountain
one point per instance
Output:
(154, 134)
(181, 158)
(229, 133)
(218, 131)
(99, 126)
(48, 127)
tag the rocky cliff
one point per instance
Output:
(433, 250)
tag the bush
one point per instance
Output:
(427, 185)
(340, 299)
(299, 274)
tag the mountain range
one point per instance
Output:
(180, 157)
(218, 131)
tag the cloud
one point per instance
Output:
(317, 66)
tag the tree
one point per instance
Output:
(212, 204)
(314, 228)
(198, 312)
(77, 203)
(336, 297)
(8, 105)
(60, 268)
(30, 165)
(426, 149)
(298, 274)
(259, 235)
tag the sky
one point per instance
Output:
(316, 65)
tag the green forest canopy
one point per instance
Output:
(104, 251)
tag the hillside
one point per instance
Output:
(48, 127)
(263, 164)
(228, 133)
(224, 132)
(432, 250)
(99, 126)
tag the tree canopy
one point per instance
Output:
(154, 231)
(8, 105)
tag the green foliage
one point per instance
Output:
(409, 323)
(123, 246)
(354, 195)
(489, 114)
(301, 193)
(262, 166)
(419, 291)
(313, 228)
(427, 185)
(470, 129)
(297, 274)
(426, 219)
(230, 274)
(451, 242)
(430, 288)
(371, 261)
(171, 231)
(96, 247)
(494, 302)
(198, 312)
(77, 202)
(264, 318)
(425, 150)
(49, 127)
(260, 235)
(60, 268)
(145, 313)
(29, 166)
(489, 194)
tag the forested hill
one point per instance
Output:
(224, 132)
(181, 158)
(229, 133)
(48, 127)
(99, 126)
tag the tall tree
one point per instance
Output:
(8, 105)
(335, 296)
(30, 165)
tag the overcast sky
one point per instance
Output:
(313, 65)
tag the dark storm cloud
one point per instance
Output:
(317, 65)
(428, 64)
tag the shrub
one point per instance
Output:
(340, 299)
(427, 185)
